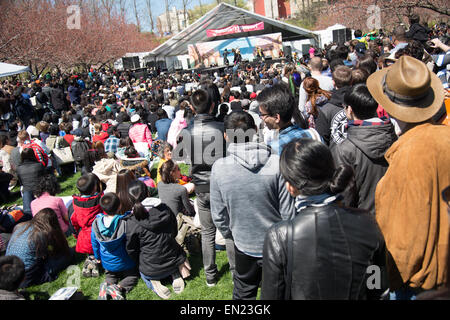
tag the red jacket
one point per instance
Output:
(103, 136)
(84, 212)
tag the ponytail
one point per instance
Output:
(343, 178)
(138, 192)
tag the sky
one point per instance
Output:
(158, 8)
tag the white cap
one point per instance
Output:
(135, 118)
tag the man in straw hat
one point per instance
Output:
(409, 209)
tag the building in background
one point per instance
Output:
(281, 9)
(172, 23)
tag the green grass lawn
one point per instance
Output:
(196, 288)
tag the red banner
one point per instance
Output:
(235, 29)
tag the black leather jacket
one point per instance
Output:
(332, 249)
(202, 144)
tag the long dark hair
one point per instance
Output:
(309, 166)
(46, 234)
(124, 178)
(166, 171)
(138, 192)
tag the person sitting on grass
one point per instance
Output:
(42, 246)
(85, 207)
(171, 193)
(46, 192)
(108, 242)
(165, 154)
(12, 273)
(151, 232)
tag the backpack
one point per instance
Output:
(79, 150)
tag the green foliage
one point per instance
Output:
(196, 288)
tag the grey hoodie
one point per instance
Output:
(248, 195)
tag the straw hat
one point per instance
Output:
(407, 90)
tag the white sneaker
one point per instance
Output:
(178, 283)
(162, 291)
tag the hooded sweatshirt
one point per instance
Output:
(364, 150)
(332, 119)
(151, 242)
(245, 204)
(109, 243)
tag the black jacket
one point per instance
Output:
(332, 248)
(331, 121)
(151, 242)
(124, 128)
(364, 150)
(58, 99)
(418, 32)
(29, 173)
(206, 132)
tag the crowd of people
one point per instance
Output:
(312, 171)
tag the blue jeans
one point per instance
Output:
(404, 293)
(147, 279)
(27, 198)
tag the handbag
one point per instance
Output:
(63, 155)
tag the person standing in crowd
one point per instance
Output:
(255, 165)
(276, 107)
(325, 83)
(368, 139)
(410, 211)
(333, 131)
(203, 132)
(323, 253)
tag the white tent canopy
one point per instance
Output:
(7, 69)
(221, 16)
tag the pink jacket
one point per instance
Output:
(55, 203)
(140, 133)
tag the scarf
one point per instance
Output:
(368, 122)
(302, 202)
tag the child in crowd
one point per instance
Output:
(151, 232)
(12, 273)
(85, 208)
(108, 242)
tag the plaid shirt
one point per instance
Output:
(111, 144)
(291, 133)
